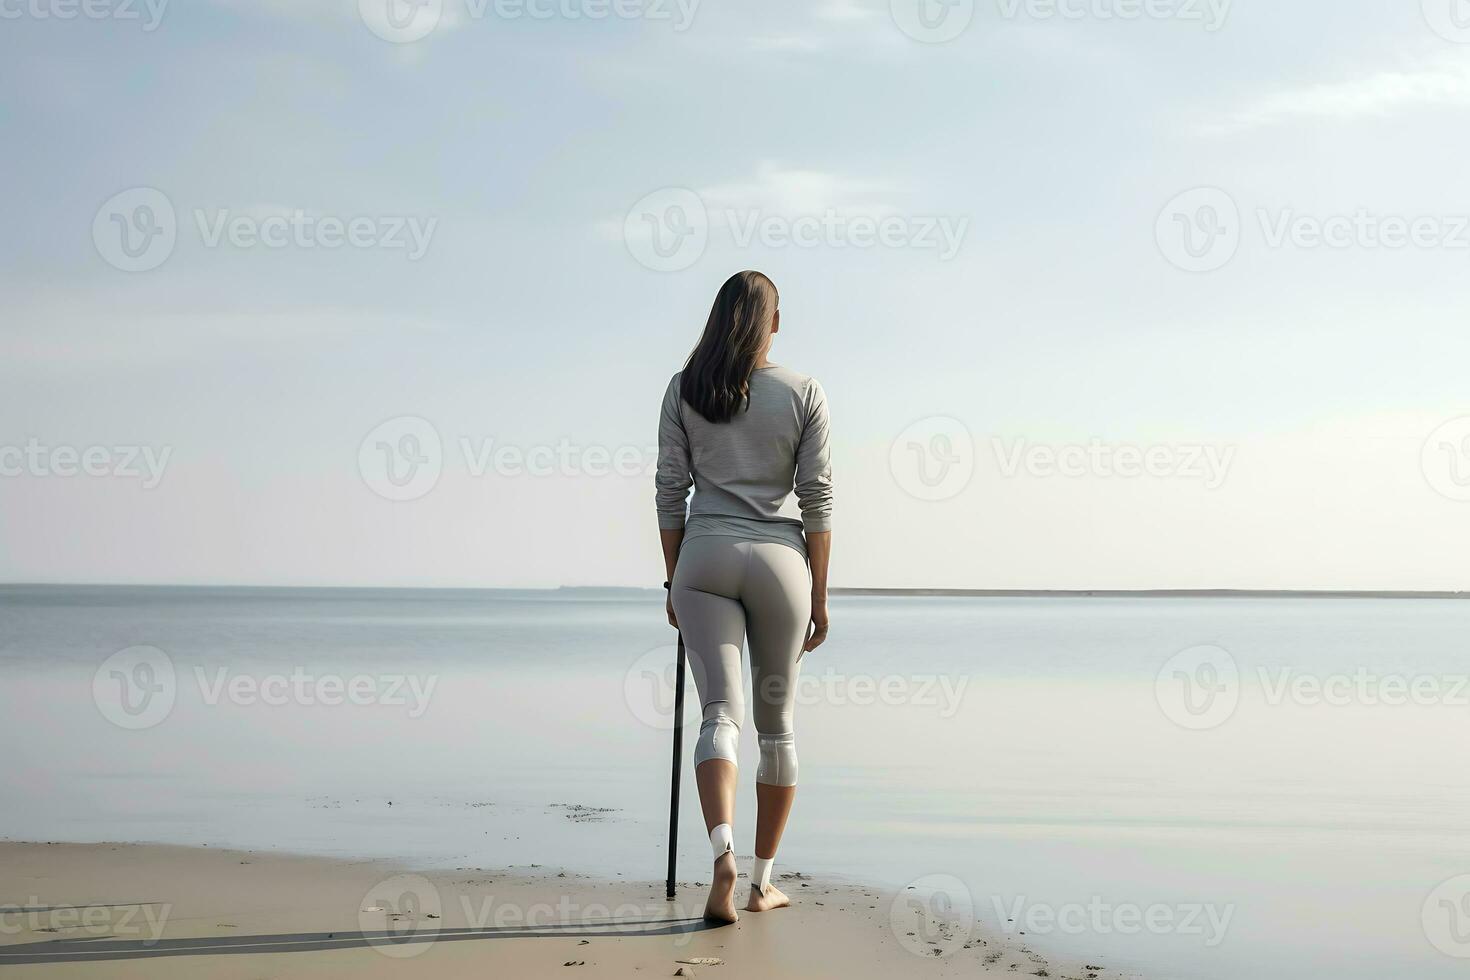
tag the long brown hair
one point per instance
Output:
(716, 378)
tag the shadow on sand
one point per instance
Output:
(101, 949)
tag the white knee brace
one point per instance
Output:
(719, 734)
(778, 760)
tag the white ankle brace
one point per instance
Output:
(760, 874)
(722, 839)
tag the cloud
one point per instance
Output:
(846, 10)
(797, 191)
(849, 25)
(789, 192)
(376, 16)
(1373, 96)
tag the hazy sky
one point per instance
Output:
(1106, 294)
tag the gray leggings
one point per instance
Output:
(726, 589)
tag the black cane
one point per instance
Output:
(678, 758)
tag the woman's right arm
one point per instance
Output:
(818, 553)
(814, 493)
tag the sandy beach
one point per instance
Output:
(149, 911)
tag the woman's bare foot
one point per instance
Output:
(721, 904)
(771, 898)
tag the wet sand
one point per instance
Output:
(158, 912)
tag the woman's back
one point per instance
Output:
(743, 470)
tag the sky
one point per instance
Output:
(1103, 293)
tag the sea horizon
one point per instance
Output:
(937, 592)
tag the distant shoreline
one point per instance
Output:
(16, 587)
(1157, 593)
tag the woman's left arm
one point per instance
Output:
(670, 539)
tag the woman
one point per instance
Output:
(745, 433)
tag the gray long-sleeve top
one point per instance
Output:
(743, 470)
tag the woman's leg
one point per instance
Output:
(712, 623)
(716, 781)
(777, 596)
(772, 807)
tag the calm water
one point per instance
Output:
(1042, 760)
